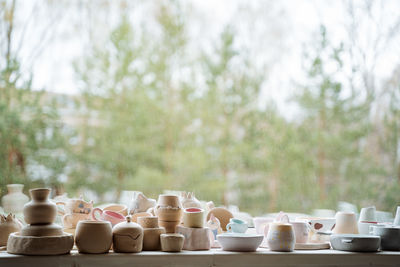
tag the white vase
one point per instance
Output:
(15, 200)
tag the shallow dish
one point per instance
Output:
(35, 245)
(355, 242)
(239, 242)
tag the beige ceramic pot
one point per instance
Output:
(193, 217)
(172, 242)
(170, 227)
(169, 214)
(93, 237)
(151, 238)
(42, 230)
(169, 201)
(127, 237)
(40, 245)
(40, 210)
(222, 214)
(281, 237)
(148, 222)
(8, 225)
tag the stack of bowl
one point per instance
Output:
(151, 232)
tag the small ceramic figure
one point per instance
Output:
(222, 214)
(8, 225)
(15, 200)
(189, 200)
(214, 225)
(140, 203)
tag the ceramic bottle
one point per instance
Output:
(15, 200)
(40, 210)
(127, 236)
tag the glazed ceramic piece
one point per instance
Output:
(170, 227)
(240, 242)
(189, 200)
(390, 236)
(151, 238)
(140, 203)
(397, 217)
(107, 215)
(8, 225)
(301, 230)
(281, 237)
(312, 246)
(75, 206)
(193, 217)
(346, 223)
(119, 208)
(215, 228)
(195, 238)
(368, 214)
(42, 230)
(222, 214)
(148, 222)
(236, 226)
(355, 242)
(40, 210)
(172, 242)
(15, 200)
(127, 237)
(93, 237)
(136, 216)
(35, 245)
(260, 223)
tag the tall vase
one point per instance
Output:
(15, 200)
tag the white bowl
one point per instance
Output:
(239, 242)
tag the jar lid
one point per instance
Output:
(127, 227)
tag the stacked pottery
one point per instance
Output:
(41, 236)
(151, 232)
(127, 236)
(8, 225)
(73, 211)
(169, 212)
(15, 200)
(197, 237)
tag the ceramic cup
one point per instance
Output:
(397, 218)
(281, 237)
(364, 227)
(107, 215)
(119, 208)
(93, 237)
(346, 223)
(236, 226)
(390, 236)
(193, 218)
(71, 220)
(301, 230)
(368, 214)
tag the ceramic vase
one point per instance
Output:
(40, 210)
(281, 237)
(8, 225)
(15, 200)
(94, 237)
(127, 237)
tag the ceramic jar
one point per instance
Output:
(15, 200)
(281, 237)
(151, 232)
(127, 236)
(172, 242)
(169, 212)
(193, 217)
(40, 210)
(8, 225)
(94, 237)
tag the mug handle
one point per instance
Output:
(61, 211)
(94, 216)
(229, 227)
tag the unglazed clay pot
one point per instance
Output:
(8, 225)
(93, 237)
(172, 242)
(193, 217)
(169, 201)
(169, 214)
(281, 237)
(40, 210)
(42, 230)
(151, 238)
(222, 214)
(170, 227)
(15, 200)
(148, 222)
(127, 237)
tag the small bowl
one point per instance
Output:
(240, 242)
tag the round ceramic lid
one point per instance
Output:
(127, 227)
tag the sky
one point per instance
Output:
(278, 31)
